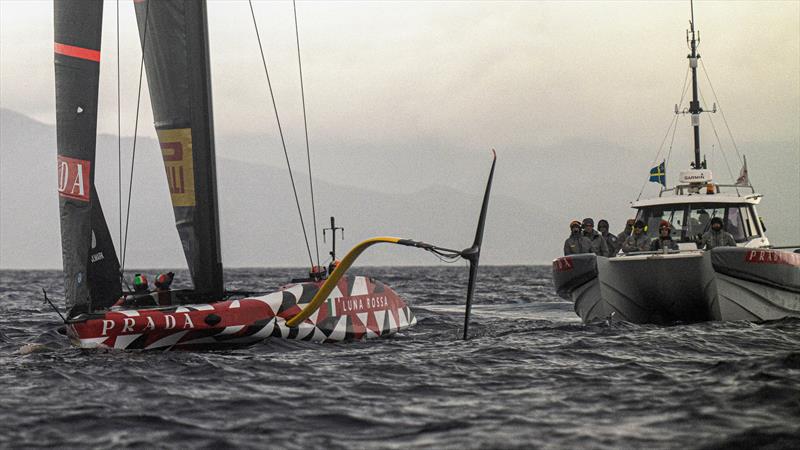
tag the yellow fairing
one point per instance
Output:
(335, 276)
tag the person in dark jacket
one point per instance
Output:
(626, 232)
(576, 242)
(637, 241)
(611, 240)
(599, 246)
(664, 240)
(716, 237)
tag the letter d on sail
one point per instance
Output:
(73, 178)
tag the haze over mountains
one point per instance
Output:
(259, 222)
(258, 217)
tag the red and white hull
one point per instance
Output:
(358, 308)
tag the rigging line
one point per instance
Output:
(119, 143)
(673, 123)
(660, 148)
(135, 133)
(280, 131)
(305, 127)
(445, 257)
(721, 150)
(672, 141)
(722, 113)
(685, 87)
(446, 260)
(683, 95)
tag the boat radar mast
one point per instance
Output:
(693, 40)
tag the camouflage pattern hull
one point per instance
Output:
(358, 308)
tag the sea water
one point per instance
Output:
(531, 376)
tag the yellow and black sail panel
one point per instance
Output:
(176, 150)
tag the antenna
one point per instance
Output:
(694, 105)
(333, 229)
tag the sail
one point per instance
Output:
(77, 32)
(173, 35)
(103, 271)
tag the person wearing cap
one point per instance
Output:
(611, 240)
(576, 242)
(716, 236)
(626, 232)
(637, 241)
(664, 240)
(599, 246)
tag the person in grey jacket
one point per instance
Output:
(599, 246)
(612, 242)
(576, 242)
(637, 241)
(716, 237)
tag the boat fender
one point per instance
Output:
(212, 319)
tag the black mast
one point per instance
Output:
(203, 133)
(91, 267)
(174, 37)
(694, 106)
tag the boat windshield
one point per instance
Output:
(688, 221)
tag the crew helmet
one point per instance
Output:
(164, 280)
(140, 282)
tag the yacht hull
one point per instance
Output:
(691, 286)
(756, 284)
(745, 300)
(660, 288)
(358, 308)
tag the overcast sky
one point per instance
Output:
(403, 95)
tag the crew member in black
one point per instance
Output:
(664, 240)
(599, 246)
(612, 242)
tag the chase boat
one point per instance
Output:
(751, 281)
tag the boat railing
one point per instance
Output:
(710, 188)
(659, 252)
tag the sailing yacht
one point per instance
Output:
(751, 281)
(174, 39)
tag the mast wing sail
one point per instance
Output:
(103, 264)
(77, 33)
(173, 34)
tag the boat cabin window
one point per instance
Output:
(652, 217)
(688, 221)
(700, 218)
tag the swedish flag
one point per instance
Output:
(658, 174)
